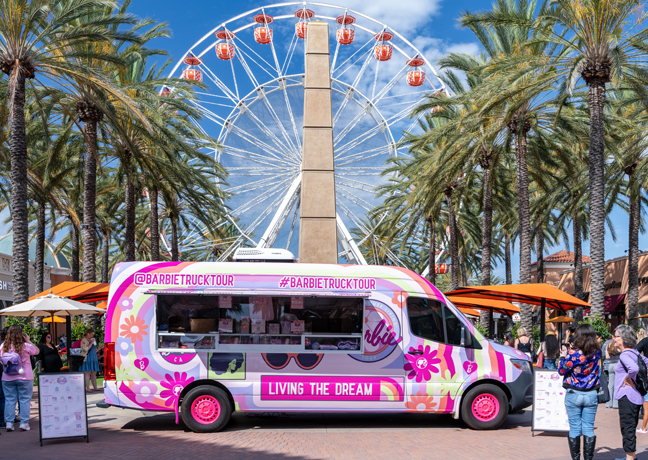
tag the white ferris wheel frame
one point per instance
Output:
(349, 247)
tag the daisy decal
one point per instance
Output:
(174, 385)
(144, 391)
(420, 403)
(134, 329)
(421, 366)
(125, 303)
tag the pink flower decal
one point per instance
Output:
(422, 365)
(174, 385)
(144, 391)
(134, 328)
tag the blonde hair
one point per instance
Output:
(522, 332)
(641, 334)
(612, 348)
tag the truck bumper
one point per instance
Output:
(521, 390)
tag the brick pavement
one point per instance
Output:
(124, 434)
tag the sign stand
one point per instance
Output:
(549, 413)
(62, 406)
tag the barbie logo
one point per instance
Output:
(381, 335)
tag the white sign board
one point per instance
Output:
(516, 317)
(62, 406)
(549, 413)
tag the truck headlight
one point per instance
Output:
(522, 364)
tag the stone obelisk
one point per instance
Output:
(317, 224)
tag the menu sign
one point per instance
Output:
(549, 413)
(62, 406)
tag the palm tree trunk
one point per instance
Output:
(39, 263)
(464, 273)
(432, 250)
(454, 247)
(633, 260)
(19, 217)
(578, 264)
(487, 236)
(540, 276)
(130, 206)
(105, 256)
(155, 232)
(89, 203)
(507, 258)
(75, 252)
(174, 239)
(522, 127)
(597, 195)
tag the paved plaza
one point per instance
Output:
(124, 434)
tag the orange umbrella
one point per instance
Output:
(494, 306)
(541, 294)
(53, 319)
(468, 311)
(79, 291)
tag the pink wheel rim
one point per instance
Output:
(485, 407)
(205, 409)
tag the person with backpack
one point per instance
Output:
(580, 370)
(17, 375)
(631, 384)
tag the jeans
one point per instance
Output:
(581, 410)
(20, 391)
(2, 403)
(549, 364)
(612, 402)
(628, 418)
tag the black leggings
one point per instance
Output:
(628, 418)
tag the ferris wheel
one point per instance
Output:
(253, 65)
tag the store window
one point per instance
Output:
(241, 322)
(432, 320)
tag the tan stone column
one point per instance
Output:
(317, 225)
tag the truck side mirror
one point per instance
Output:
(463, 336)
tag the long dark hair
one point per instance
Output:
(552, 345)
(585, 340)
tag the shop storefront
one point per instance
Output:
(616, 287)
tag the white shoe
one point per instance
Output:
(9, 426)
(24, 426)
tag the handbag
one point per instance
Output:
(603, 391)
(540, 360)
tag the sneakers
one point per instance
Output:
(9, 426)
(24, 426)
(639, 430)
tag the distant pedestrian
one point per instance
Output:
(90, 363)
(611, 360)
(580, 368)
(509, 340)
(3, 333)
(569, 334)
(18, 377)
(550, 349)
(630, 400)
(524, 343)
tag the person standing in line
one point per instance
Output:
(642, 347)
(629, 398)
(524, 343)
(49, 355)
(569, 334)
(611, 361)
(18, 386)
(509, 340)
(580, 370)
(550, 348)
(90, 364)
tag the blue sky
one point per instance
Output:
(430, 24)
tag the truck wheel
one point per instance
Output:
(485, 407)
(206, 409)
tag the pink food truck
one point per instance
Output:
(205, 339)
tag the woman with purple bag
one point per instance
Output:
(17, 376)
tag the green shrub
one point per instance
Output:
(28, 328)
(600, 326)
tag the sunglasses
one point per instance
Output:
(306, 361)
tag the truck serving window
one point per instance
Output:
(432, 320)
(260, 323)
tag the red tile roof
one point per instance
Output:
(563, 257)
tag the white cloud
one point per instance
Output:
(401, 15)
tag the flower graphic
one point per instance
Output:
(494, 376)
(134, 328)
(122, 372)
(144, 391)
(399, 299)
(447, 385)
(420, 403)
(422, 365)
(174, 385)
(124, 345)
(125, 303)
